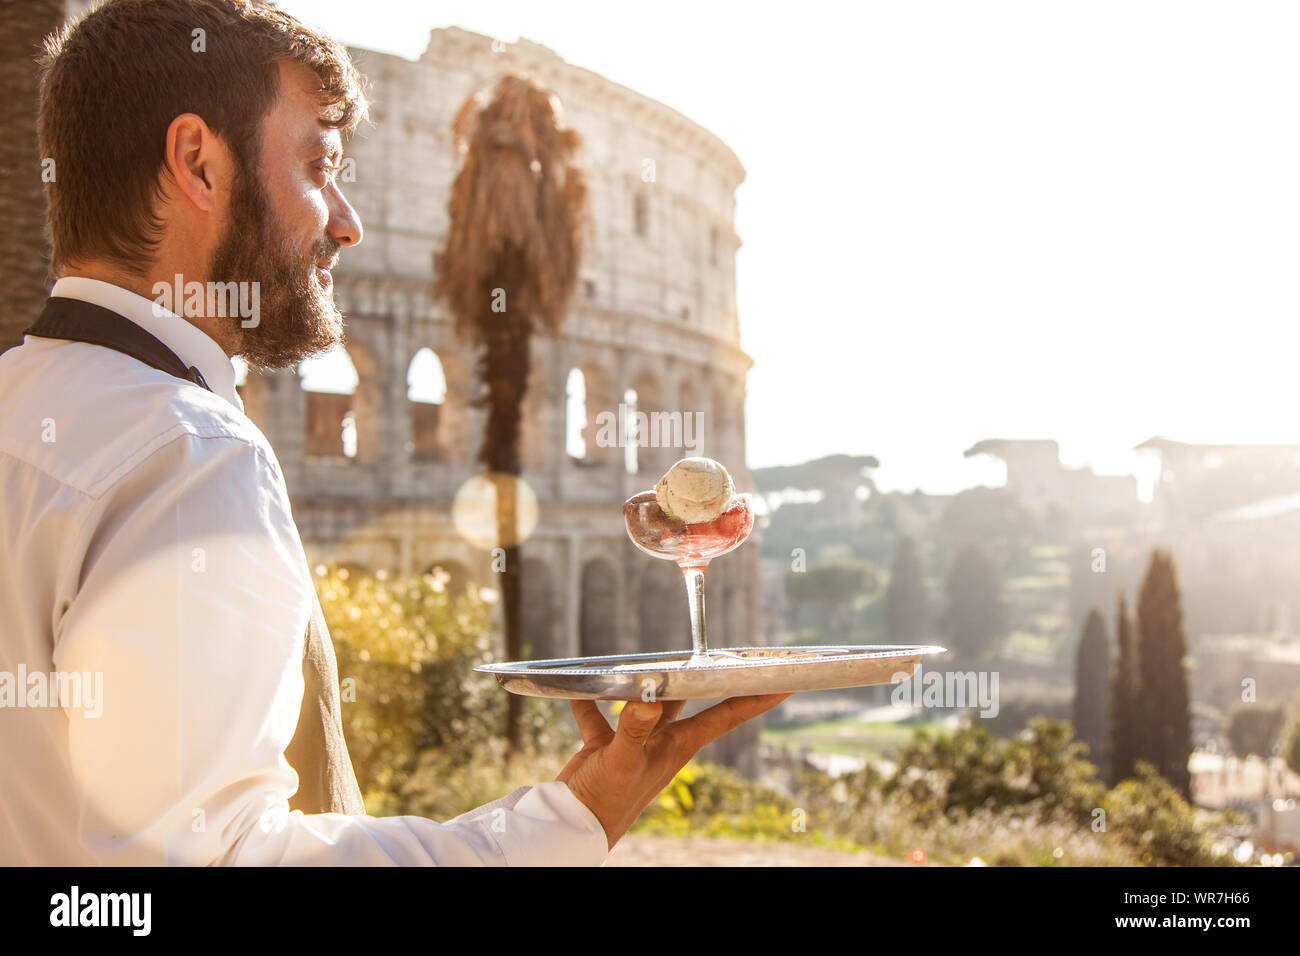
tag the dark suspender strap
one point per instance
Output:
(318, 751)
(78, 321)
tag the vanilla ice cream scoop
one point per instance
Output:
(695, 490)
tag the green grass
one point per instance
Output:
(849, 736)
(1023, 584)
(1031, 648)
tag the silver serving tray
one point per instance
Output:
(744, 671)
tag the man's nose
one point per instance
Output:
(344, 225)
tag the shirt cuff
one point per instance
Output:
(505, 803)
(546, 825)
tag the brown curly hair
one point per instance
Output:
(112, 83)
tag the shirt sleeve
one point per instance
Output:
(193, 605)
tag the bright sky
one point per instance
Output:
(1036, 219)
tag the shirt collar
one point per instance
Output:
(192, 345)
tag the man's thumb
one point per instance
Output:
(636, 722)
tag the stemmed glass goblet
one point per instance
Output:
(692, 546)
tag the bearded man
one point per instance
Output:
(179, 696)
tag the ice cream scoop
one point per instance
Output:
(695, 490)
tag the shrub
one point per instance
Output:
(971, 769)
(1027, 802)
(406, 650)
(709, 800)
(425, 735)
(1254, 728)
(1291, 745)
(1150, 815)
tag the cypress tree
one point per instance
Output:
(905, 596)
(975, 618)
(1091, 694)
(1122, 753)
(1163, 705)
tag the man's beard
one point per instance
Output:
(297, 318)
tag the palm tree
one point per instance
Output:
(24, 257)
(507, 268)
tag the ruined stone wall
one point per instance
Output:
(655, 312)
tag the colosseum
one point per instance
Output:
(373, 465)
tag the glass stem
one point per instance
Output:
(694, 575)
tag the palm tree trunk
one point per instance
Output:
(24, 258)
(510, 585)
(505, 363)
(515, 236)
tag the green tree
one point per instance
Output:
(993, 517)
(406, 648)
(831, 587)
(831, 581)
(1148, 813)
(1254, 728)
(1164, 726)
(970, 769)
(1291, 745)
(1091, 693)
(1122, 754)
(975, 617)
(905, 596)
(507, 268)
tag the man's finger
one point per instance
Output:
(672, 710)
(591, 722)
(635, 725)
(708, 725)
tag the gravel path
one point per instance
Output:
(646, 850)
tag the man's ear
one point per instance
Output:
(197, 162)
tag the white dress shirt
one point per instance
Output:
(147, 545)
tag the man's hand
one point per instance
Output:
(616, 775)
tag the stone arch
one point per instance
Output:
(724, 422)
(342, 404)
(451, 443)
(737, 600)
(601, 405)
(641, 213)
(663, 619)
(251, 386)
(539, 609)
(426, 394)
(724, 599)
(367, 404)
(695, 419)
(598, 628)
(575, 413)
(329, 383)
(650, 459)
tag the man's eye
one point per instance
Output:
(329, 169)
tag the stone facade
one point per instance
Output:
(1035, 472)
(655, 311)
